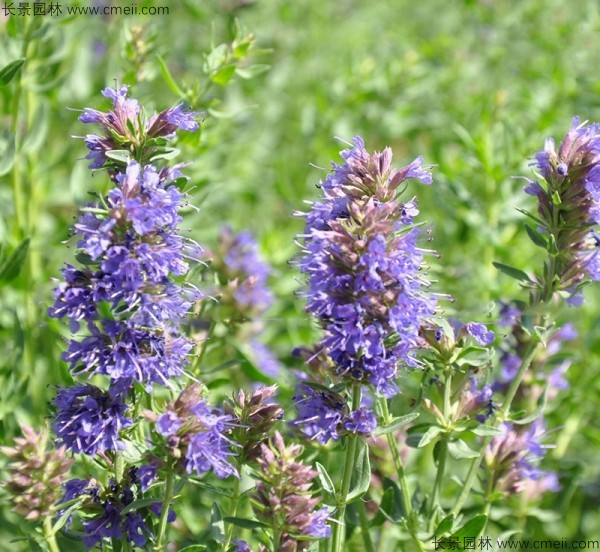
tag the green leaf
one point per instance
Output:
(325, 479)
(122, 156)
(168, 78)
(472, 528)
(396, 423)
(429, 436)
(484, 430)
(7, 158)
(140, 503)
(458, 449)
(244, 523)
(541, 406)
(362, 474)
(8, 72)
(512, 272)
(223, 74)
(252, 71)
(391, 507)
(166, 154)
(193, 548)
(536, 237)
(445, 525)
(12, 266)
(217, 525)
(62, 520)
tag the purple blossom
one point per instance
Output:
(571, 174)
(168, 423)
(319, 413)
(480, 333)
(241, 546)
(108, 525)
(182, 118)
(317, 526)
(361, 421)
(156, 509)
(146, 475)
(210, 450)
(123, 350)
(89, 420)
(124, 127)
(366, 285)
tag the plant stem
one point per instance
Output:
(235, 498)
(501, 416)
(339, 527)
(364, 527)
(443, 452)
(401, 474)
(49, 535)
(119, 466)
(162, 528)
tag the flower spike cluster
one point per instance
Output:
(363, 265)
(126, 129)
(283, 499)
(366, 285)
(569, 207)
(126, 301)
(125, 294)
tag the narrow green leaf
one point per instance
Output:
(391, 507)
(122, 156)
(445, 525)
(62, 520)
(429, 436)
(512, 272)
(252, 71)
(217, 525)
(325, 479)
(541, 406)
(397, 423)
(244, 523)
(137, 504)
(194, 548)
(484, 430)
(362, 475)
(223, 74)
(536, 237)
(166, 154)
(12, 266)
(168, 78)
(458, 449)
(472, 528)
(8, 72)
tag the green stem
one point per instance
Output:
(393, 444)
(119, 466)
(162, 528)
(235, 498)
(501, 416)
(49, 535)
(443, 452)
(364, 527)
(339, 527)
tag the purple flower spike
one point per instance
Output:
(361, 421)
(480, 333)
(89, 420)
(366, 285)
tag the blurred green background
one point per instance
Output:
(473, 86)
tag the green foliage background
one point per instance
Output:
(473, 86)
